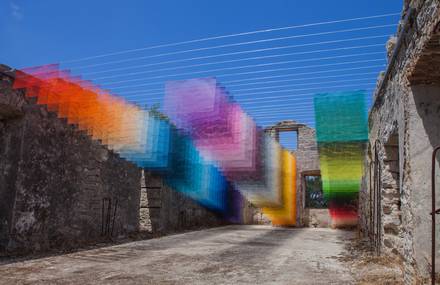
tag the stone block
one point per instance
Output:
(144, 198)
(391, 228)
(388, 243)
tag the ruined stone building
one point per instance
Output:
(307, 157)
(59, 189)
(395, 202)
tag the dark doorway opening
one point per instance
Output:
(314, 193)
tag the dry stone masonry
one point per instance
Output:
(307, 158)
(163, 210)
(61, 190)
(403, 130)
(58, 188)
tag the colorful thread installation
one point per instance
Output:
(133, 133)
(341, 127)
(254, 162)
(285, 215)
(214, 159)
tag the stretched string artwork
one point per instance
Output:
(210, 150)
(254, 162)
(341, 127)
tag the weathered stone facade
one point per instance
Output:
(307, 158)
(404, 127)
(163, 210)
(58, 188)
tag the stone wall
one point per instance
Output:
(317, 218)
(404, 126)
(308, 164)
(258, 217)
(307, 161)
(59, 189)
(56, 183)
(163, 210)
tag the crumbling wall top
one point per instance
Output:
(11, 101)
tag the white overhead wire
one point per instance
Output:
(231, 86)
(270, 77)
(264, 97)
(302, 89)
(305, 73)
(242, 73)
(322, 90)
(242, 59)
(286, 101)
(292, 110)
(258, 114)
(230, 53)
(296, 96)
(237, 67)
(260, 88)
(285, 116)
(270, 40)
(292, 115)
(229, 36)
(278, 107)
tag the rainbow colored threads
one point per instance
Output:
(286, 214)
(252, 161)
(265, 189)
(341, 126)
(219, 127)
(212, 151)
(191, 174)
(133, 133)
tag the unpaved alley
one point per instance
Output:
(226, 255)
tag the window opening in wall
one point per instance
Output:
(314, 193)
(289, 139)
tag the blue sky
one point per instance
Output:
(54, 31)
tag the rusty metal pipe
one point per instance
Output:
(433, 213)
(370, 220)
(378, 197)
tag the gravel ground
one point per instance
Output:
(225, 255)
